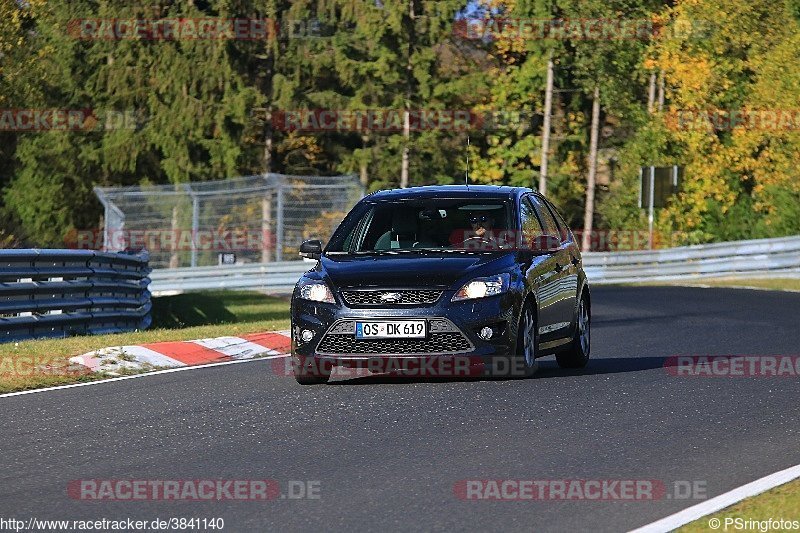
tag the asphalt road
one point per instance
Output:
(387, 453)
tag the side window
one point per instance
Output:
(345, 233)
(531, 228)
(549, 223)
(564, 231)
(376, 230)
(348, 241)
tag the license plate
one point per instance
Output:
(395, 329)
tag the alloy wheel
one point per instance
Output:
(583, 327)
(529, 337)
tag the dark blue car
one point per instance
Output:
(490, 275)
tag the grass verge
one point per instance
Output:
(41, 363)
(773, 284)
(779, 503)
(777, 284)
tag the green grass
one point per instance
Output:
(779, 503)
(40, 363)
(776, 284)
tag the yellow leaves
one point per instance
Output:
(508, 5)
(743, 64)
(488, 171)
(693, 76)
(304, 146)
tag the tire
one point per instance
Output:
(310, 371)
(521, 362)
(577, 356)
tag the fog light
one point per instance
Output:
(486, 333)
(307, 335)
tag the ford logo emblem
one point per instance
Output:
(391, 297)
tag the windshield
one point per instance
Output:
(427, 224)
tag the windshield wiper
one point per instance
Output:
(375, 252)
(426, 251)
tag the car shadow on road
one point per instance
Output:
(548, 369)
(605, 365)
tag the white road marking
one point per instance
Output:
(721, 502)
(235, 347)
(143, 375)
(95, 360)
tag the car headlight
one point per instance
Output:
(316, 291)
(483, 287)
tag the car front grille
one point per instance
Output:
(444, 338)
(389, 297)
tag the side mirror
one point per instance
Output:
(311, 249)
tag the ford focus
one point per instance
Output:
(490, 275)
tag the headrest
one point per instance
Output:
(404, 222)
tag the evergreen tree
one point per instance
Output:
(189, 105)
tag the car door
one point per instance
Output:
(539, 270)
(568, 239)
(564, 274)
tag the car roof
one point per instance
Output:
(450, 191)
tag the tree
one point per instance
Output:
(737, 67)
(590, 180)
(190, 105)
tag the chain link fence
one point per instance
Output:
(252, 219)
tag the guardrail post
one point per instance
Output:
(195, 227)
(267, 236)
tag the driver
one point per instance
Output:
(482, 234)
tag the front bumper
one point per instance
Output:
(452, 329)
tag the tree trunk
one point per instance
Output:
(661, 91)
(266, 90)
(268, 143)
(409, 92)
(588, 215)
(267, 231)
(406, 139)
(651, 93)
(548, 110)
(363, 171)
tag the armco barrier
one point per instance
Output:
(57, 293)
(740, 259)
(269, 277)
(756, 258)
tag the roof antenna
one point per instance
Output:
(466, 171)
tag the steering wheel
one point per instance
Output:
(477, 238)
